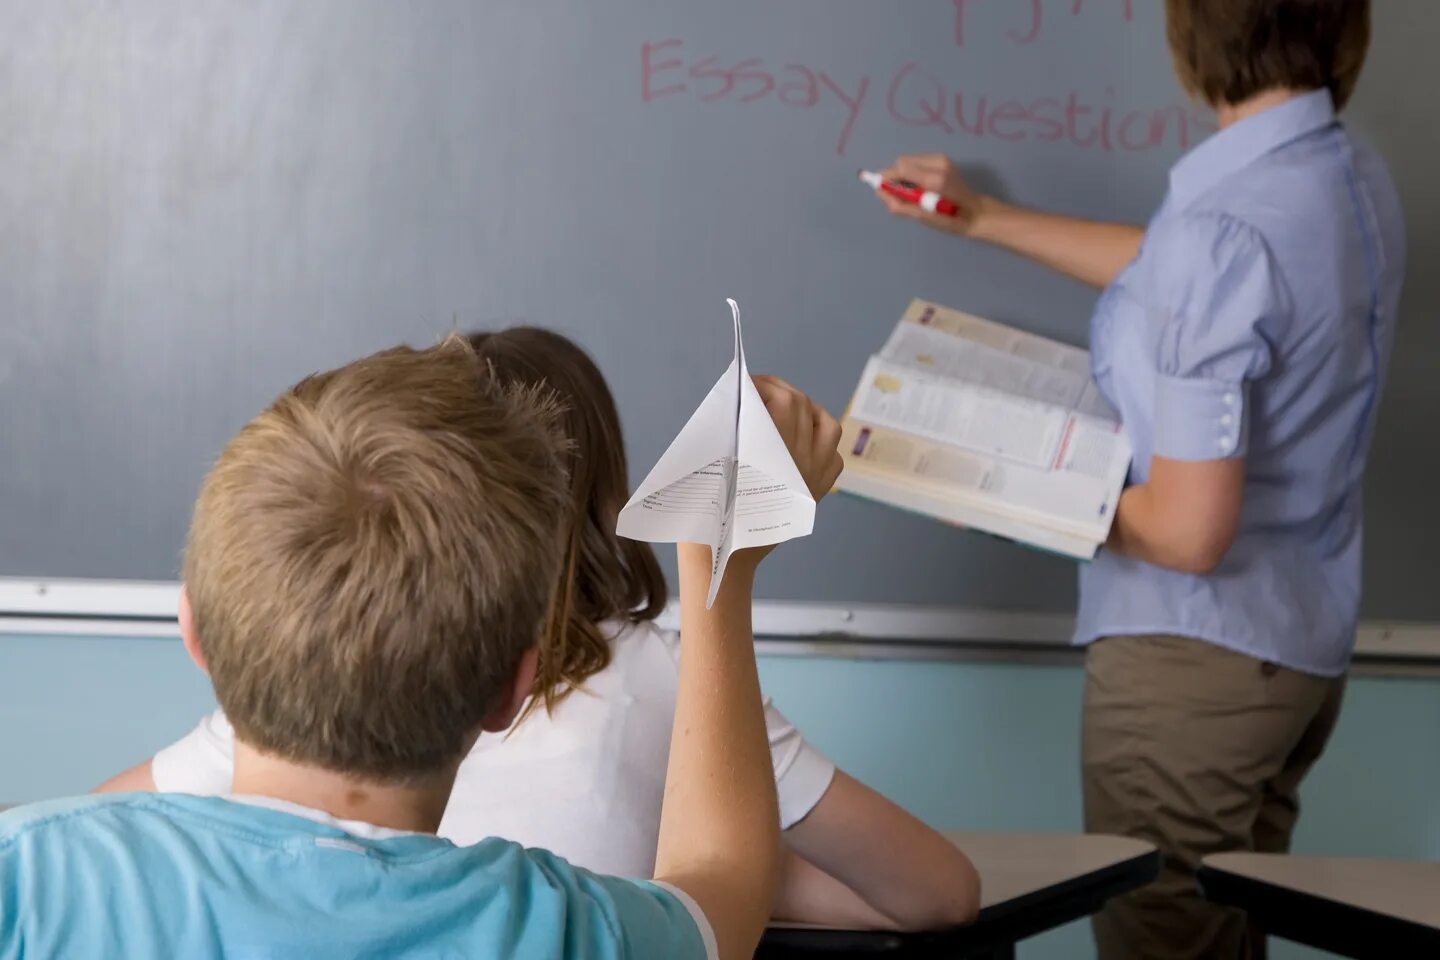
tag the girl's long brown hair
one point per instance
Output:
(603, 577)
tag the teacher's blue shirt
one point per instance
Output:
(1256, 322)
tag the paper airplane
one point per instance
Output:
(727, 480)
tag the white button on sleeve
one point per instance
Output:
(1198, 418)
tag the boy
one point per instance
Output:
(361, 582)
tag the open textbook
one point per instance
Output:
(727, 479)
(979, 424)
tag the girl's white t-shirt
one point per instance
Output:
(584, 782)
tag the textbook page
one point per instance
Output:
(958, 412)
(1039, 460)
(1074, 497)
(727, 479)
(986, 426)
(999, 337)
(956, 344)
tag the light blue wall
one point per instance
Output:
(972, 746)
(74, 710)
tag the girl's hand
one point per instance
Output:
(813, 438)
(811, 435)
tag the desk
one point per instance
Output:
(1353, 907)
(1029, 883)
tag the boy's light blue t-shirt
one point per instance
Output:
(167, 875)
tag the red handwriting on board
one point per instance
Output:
(917, 97)
(664, 72)
(1031, 16)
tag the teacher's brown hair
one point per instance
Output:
(1226, 51)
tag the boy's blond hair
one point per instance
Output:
(370, 557)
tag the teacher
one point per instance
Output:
(1243, 337)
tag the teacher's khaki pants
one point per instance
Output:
(1198, 750)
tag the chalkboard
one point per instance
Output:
(202, 201)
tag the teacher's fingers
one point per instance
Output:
(901, 208)
(911, 211)
(927, 171)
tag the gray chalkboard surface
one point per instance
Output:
(203, 200)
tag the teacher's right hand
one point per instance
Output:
(934, 171)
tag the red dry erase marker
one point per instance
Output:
(907, 191)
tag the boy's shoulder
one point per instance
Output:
(106, 832)
(347, 888)
(36, 820)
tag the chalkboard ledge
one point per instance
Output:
(120, 608)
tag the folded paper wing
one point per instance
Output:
(727, 480)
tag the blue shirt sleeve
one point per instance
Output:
(627, 919)
(1222, 301)
(658, 920)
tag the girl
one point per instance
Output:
(593, 741)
